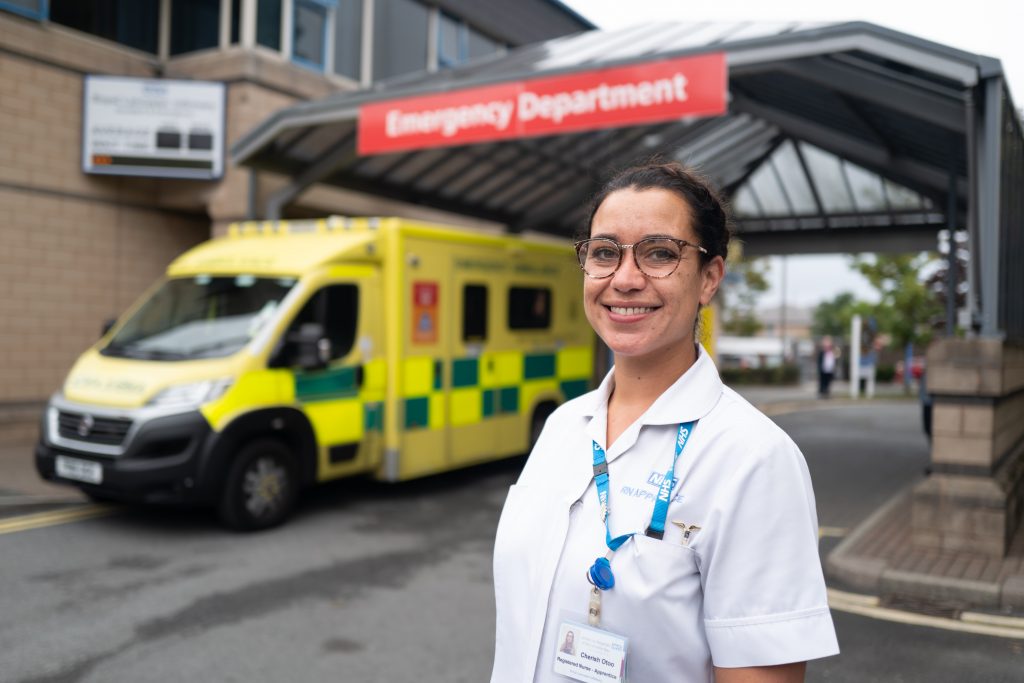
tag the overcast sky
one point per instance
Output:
(990, 27)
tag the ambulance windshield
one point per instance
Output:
(199, 317)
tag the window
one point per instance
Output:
(529, 308)
(399, 38)
(310, 33)
(195, 25)
(451, 41)
(236, 21)
(348, 38)
(128, 22)
(30, 8)
(336, 307)
(474, 313)
(458, 42)
(268, 23)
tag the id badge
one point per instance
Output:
(590, 654)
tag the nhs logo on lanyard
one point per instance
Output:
(665, 490)
(684, 433)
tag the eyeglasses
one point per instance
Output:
(656, 257)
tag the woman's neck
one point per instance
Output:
(638, 384)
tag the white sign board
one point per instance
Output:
(153, 127)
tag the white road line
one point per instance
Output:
(867, 606)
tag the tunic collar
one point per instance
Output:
(690, 397)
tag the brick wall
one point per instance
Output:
(68, 264)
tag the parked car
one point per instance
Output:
(916, 369)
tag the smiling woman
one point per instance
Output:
(732, 589)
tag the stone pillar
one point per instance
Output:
(975, 495)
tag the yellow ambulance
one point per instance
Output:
(293, 352)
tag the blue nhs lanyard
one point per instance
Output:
(656, 529)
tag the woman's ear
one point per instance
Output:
(711, 277)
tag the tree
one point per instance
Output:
(746, 280)
(908, 307)
(833, 317)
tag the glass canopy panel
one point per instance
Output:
(827, 175)
(791, 172)
(868, 192)
(900, 197)
(744, 204)
(766, 185)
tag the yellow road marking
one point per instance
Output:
(867, 606)
(831, 532)
(52, 518)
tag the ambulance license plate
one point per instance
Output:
(79, 470)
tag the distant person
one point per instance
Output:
(568, 646)
(826, 366)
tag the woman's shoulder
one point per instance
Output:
(736, 422)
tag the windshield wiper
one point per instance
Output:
(214, 346)
(133, 351)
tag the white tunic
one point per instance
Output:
(747, 590)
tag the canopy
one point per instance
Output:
(836, 137)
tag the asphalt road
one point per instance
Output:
(390, 583)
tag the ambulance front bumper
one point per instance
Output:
(141, 455)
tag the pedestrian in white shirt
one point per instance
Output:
(661, 519)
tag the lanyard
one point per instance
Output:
(600, 574)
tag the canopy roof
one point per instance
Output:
(838, 137)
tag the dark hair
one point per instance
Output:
(710, 212)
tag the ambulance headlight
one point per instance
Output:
(193, 394)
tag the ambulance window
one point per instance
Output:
(336, 308)
(529, 308)
(474, 313)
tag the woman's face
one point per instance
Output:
(638, 316)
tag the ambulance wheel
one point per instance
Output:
(540, 416)
(260, 488)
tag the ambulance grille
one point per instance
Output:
(107, 431)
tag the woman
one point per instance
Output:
(568, 646)
(662, 516)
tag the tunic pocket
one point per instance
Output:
(661, 568)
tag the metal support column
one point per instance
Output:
(988, 141)
(951, 260)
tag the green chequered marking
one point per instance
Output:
(574, 388)
(509, 400)
(373, 417)
(465, 372)
(417, 412)
(538, 366)
(327, 384)
(438, 374)
(488, 410)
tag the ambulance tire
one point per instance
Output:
(540, 416)
(260, 488)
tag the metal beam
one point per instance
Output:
(336, 156)
(890, 239)
(924, 178)
(404, 193)
(988, 202)
(610, 159)
(884, 92)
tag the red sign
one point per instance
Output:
(424, 313)
(605, 98)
